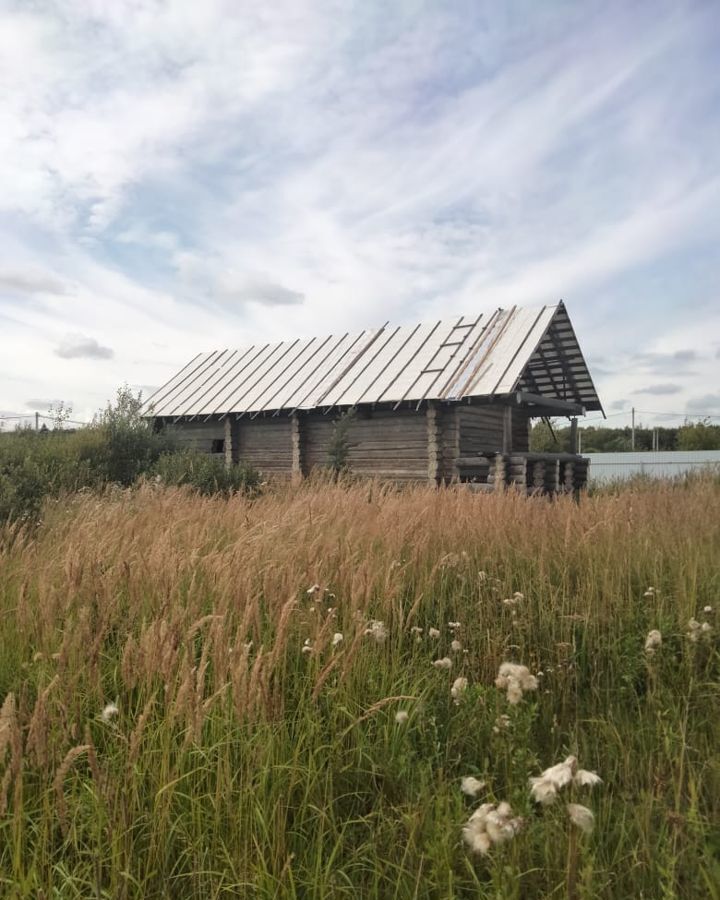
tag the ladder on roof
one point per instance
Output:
(444, 344)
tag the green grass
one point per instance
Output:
(265, 771)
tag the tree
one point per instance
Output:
(698, 436)
(339, 445)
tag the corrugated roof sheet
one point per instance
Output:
(534, 349)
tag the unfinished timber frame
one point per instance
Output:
(446, 402)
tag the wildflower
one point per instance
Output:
(109, 712)
(482, 576)
(337, 638)
(453, 626)
(377, 630)
(706, 628)
(458, 689)
(401, 717)
(456, 646)
(694, 629)
(444, 663)
(707, 609)
(416, 630)
(650, 592)
(545, 787)
(490, 825)
(312, 590)
(471, 786)
(433, 632)
(502, 723)
(581, 816)
(653, 641)
(515, 679)
(307, 646)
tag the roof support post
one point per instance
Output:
(232, 441)
(434, 443)
(297, 446)
(507, 429)
(573, 435)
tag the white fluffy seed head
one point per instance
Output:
(401, 716)
(444, 663)
(581, 816)
(653, 641)
(110, 711)
(458, 688)
(337, 638)
(471, 786)
(377, 630)
(434, 632)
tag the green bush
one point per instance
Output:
(118, 448)
(204, 473)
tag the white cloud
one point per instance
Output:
(172, 173)
(80, 346)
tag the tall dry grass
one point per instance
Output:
(250, 757)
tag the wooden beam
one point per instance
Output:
(573, 435)
(232, 442)
(566, 407)
(297, 448)
(507, 429)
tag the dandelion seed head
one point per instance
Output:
(490, 825)
(458, 688)
(444, 663)
(543, 791)
(456, 646)
(313, 589)
(401, 717)
(653, 641)
(453, 626)
(433, 632)
(337, 638)
(706, 628)
(583, 778)
(471, 786)
(707, 609)
(377, 630)
(581, 816)
(110, 711)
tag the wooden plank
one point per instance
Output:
(507, 430)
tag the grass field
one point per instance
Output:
(209, 698)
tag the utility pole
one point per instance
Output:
(37, 421)
(632, 439)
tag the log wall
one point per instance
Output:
(196, 435)
(266, 444)
(481, 429)
(385, 443)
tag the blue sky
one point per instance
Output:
(183, 176)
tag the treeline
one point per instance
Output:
(555, 438)
(119, 448)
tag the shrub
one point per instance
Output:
(204, 473)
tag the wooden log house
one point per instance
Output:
(441, 402)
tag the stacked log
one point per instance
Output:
(435, 444)
(518, 471)
(552, 476)
(580, 473)
(536, 482)
(497, 473)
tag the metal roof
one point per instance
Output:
(532, 349)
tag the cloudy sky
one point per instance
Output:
(181, 176)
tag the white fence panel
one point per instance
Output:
(664, 464)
